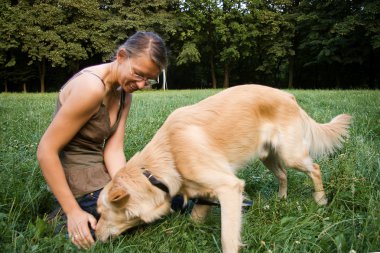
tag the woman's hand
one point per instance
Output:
(78, 228)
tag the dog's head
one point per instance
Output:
(127, 201)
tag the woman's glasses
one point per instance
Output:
(139, 78)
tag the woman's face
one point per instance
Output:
(136, 72)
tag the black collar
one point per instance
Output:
(154, 181)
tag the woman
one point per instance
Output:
(83, 147)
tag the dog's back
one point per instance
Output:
(237, 123)
(244, 121)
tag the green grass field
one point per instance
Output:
(350, 222)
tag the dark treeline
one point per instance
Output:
(212, 43)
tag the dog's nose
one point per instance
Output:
(100, 233)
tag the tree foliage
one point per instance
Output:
(219, 43)
(339, 37)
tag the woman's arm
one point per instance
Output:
(75, 111)
(114, 157)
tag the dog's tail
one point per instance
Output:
(323, 139)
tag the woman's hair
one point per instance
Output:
(147, 43)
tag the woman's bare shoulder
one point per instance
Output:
(85, 87)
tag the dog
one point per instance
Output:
(200, 147)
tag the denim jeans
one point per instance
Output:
(87, 202)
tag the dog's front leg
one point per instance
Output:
(230, 198)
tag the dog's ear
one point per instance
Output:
(117, 195)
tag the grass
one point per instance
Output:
(350, 223)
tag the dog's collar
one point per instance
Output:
(154, 181)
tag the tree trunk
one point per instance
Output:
(212, 70)
(295, 40)
(291, 73)
(24, 88)
(277, 74)
(226, 82)
(5, 86)
(42, 72)
(338, 81)
(14, 2)
(371, 71)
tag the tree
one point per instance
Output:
(9, 43)
(196, 34)
(303, 44)
(337, 37)
(232, 35)
(213, 32)
(273, 34)
(61, 32)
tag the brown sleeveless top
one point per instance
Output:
(82, 158)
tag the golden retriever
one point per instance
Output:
(199, 148)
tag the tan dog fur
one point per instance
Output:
(199, 148)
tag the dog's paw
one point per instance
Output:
(320, 198)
